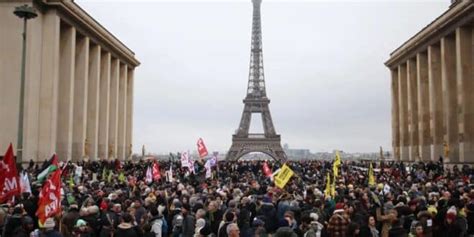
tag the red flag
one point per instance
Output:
(156, 171)
(9, 181)
(50, 198)
(201, 148)
(266, 170)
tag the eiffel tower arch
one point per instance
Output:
(256, 102)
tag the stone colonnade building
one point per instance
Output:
(78, 89)
(433, 90)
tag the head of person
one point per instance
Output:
(28, 223)
(233, 230)
(212, 206)
(371, 221)
(419, 229)
(127, 218)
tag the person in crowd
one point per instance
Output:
(126, 227)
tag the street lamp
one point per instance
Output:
(26, 12)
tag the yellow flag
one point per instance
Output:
(336, 164)
(283, 176)
(333, 187)
(121, 177)
(371, 175)
(327, 190)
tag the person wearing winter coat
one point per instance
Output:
(126, 228)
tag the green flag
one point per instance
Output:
(49, 167)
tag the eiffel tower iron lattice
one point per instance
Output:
(256, 102)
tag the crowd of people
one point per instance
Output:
(114, 199)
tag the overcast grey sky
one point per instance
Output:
(323, 63)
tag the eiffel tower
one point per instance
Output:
(256, 102)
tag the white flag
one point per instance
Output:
(25, 183)
(208, 169)
(149, 175)
(169, 175)
(185, 160)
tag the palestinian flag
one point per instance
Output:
(48, 167)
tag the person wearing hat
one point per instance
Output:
(451, 227)
(48, 229)
(81, 229)
(338, 222)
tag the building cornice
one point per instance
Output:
(440, 27)
(95, 29)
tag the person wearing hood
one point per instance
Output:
(158, 222)
(126, 228)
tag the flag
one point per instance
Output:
(327, 190)
(266, 170)
(9, 181)
(336, 164)
(109, 178)
(214, 159)
(333, 187)
(283, 176)
(201, 148)
(371, 175)
(170, 174)
(121, 177)
(104, 174)
(71, 182)
(156, 171)
(50, 198)
(25, 183)
(149, 175)
(208, 169)
(185, 160)
(49, 167)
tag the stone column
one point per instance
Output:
(129, 135)
(49, 86)
(449, 84)
(66, 92)
(465, 85)
(113, 116)
(395, 116)
(80, 98)
(93, 99)
(436, 101)
(423, 106)
(122, 124)
(104, 105)
(413, 150)
(403, 110)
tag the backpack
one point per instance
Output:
(164, 227)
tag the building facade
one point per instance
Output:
(432, 79)
(78, 87)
